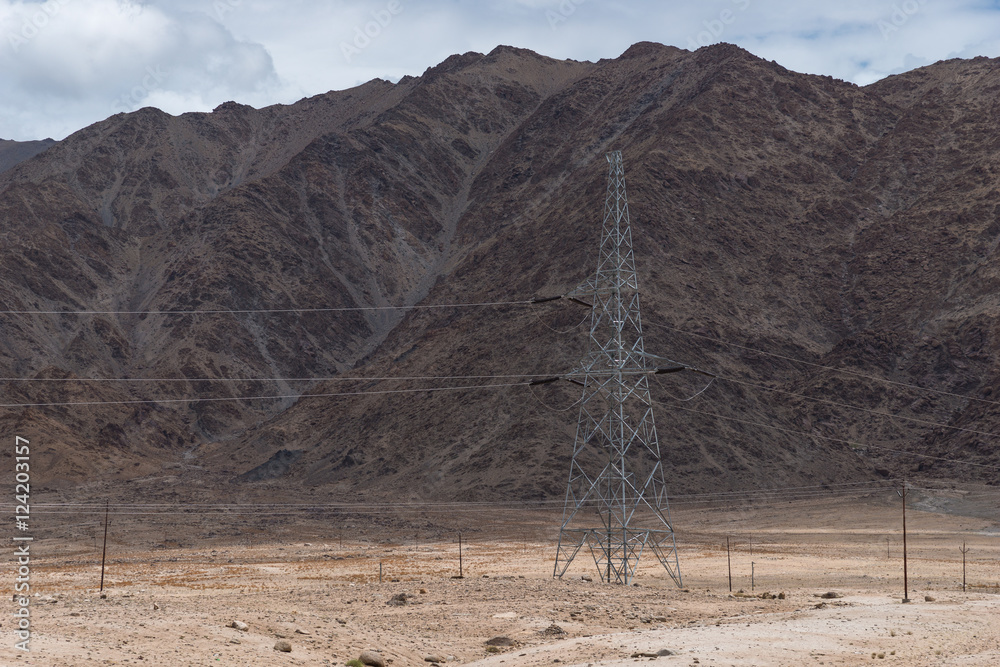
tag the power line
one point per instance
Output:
(777, 490)
(855, 407)
(556, 502)
(880, 413)
(821, 366)
(754, 499)
(254, 398)
(850, 443)
(334, 378)
(553, 502)
(194, 508)
(245, 311)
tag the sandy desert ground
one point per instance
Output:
(171, 603)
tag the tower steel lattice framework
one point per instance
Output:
(616, 500)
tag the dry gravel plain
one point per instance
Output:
(172, 605)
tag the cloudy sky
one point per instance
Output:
(67, 63)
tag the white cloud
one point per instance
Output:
(92, 57)
(67, 63)
(863, 41)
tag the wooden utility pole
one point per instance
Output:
(104, 551)
(964, 550)
(729, 563)
(906, 586)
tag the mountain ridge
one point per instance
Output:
(769, 208)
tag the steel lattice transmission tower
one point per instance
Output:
(616, 472)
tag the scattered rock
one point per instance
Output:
(239, 625)
(781, 595)
(553, 630)
(155, 606)
(500, 641)
(283, 645)
(587, 577)
(433, 658)
(341, 621)
(928, 598)
(372, 659)
(666, 651)
(398, 600)
(645, 654)
(234, 640)
(300, 631)
(831, 595)
(423, 591)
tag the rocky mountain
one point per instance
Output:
(849, 231)
(15, 152)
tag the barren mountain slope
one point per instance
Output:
(847, 227)
(15, 152)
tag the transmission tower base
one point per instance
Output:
(617, 554)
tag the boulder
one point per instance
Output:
(500, 641)
(372, 659)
